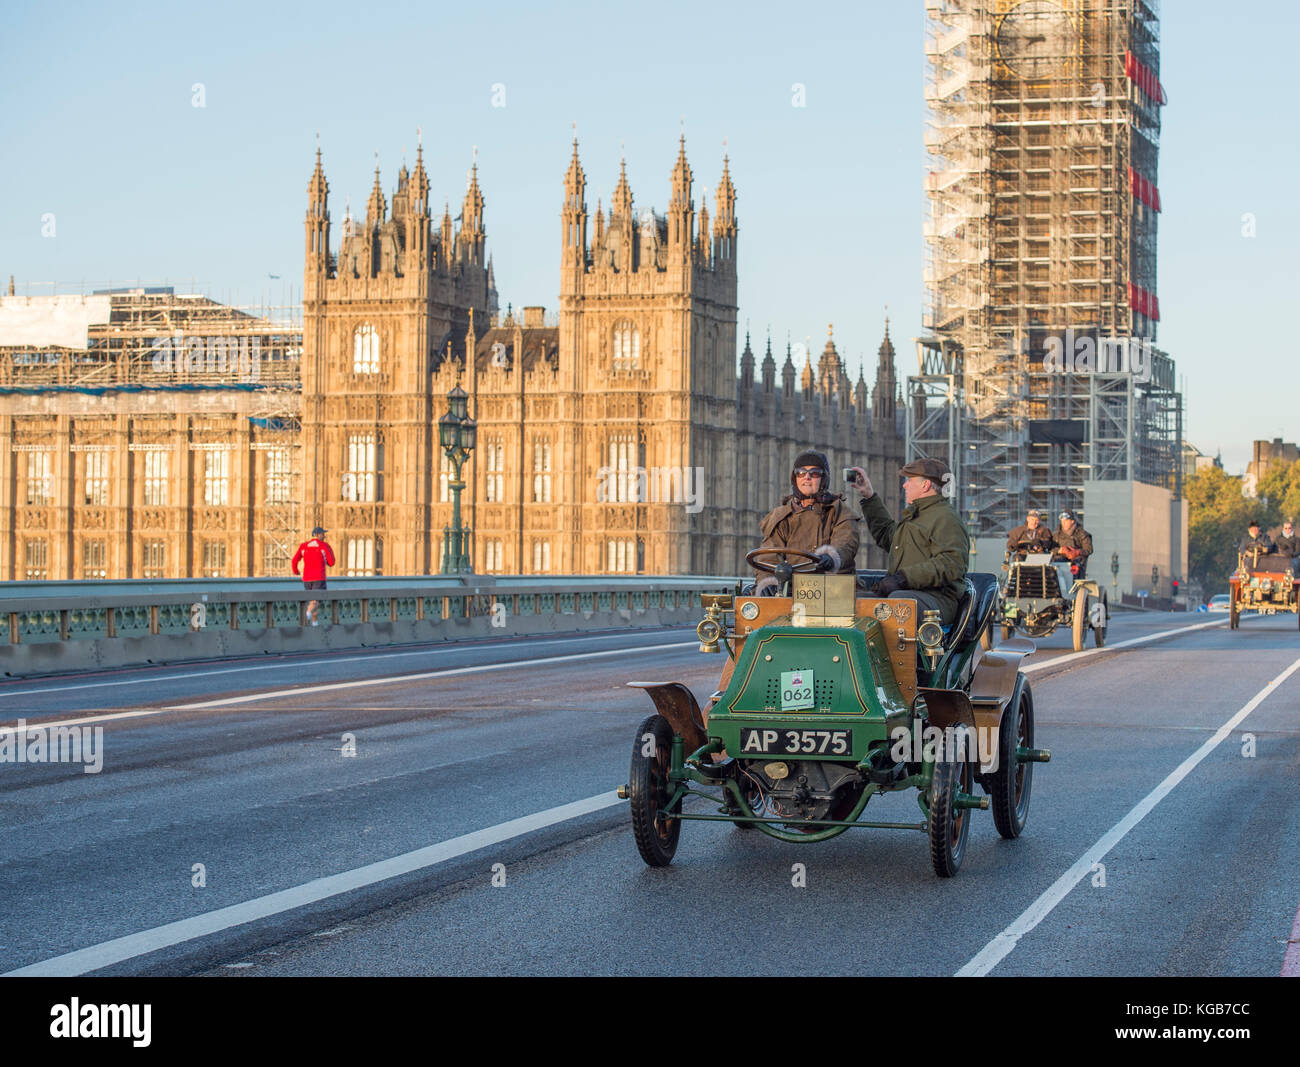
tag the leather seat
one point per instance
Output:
(976, 606)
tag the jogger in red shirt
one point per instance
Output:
(314, 555)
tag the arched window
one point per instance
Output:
(622, 557)
(496, 463)
(365, 350)
(622, 475)
(627, 347)
(360, 480)
(541, 470)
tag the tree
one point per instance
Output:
(1281, 485)
(1218, 516)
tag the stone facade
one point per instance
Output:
(613, 437)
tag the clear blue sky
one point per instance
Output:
(99, 129)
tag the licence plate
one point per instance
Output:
(788, 742)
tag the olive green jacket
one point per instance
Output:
(928, 545)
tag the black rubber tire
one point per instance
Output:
(1010, 784)
(1079, 620)
(1234, 616)
(656, 839)
(949, 826)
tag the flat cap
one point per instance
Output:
(1066, 514)
(934, 469)
(1034, 512)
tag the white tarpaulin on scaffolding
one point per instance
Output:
(45, 321)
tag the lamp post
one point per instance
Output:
(1114, 570)
(456, 434)
(1155, 578)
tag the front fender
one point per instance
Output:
(676, 703)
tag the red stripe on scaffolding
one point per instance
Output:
(1145, 79)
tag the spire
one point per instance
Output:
(787, 373)
(725, 199)
(419, 181)
(575, 212)
(884, 399)
(472, 237)
(621, 205)
(830, 368)
(705, 244)
(377, 206)
(318, 217)
(747, 365)
(807, 380)
(769, 366)
(681, 176)
(598, 234)
(446, 236)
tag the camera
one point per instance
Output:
(850, 476)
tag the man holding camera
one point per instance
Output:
(928, 546)
(811, 519)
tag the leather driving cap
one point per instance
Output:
(934, 469)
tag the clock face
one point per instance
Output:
(1034, 37)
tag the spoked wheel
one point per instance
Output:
(648, 791)
(1099, 632)
(950, 825)
(1010, 784)
(1080, 619)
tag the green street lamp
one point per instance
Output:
(456, 434)
(1114, 569)
(1155, 578)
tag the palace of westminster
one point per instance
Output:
(149, 434)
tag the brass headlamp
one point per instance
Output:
(930, 635)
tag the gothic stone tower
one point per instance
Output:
(377, 319)
(647, 332)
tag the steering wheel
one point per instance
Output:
(808, 565)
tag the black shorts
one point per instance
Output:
(314, 585)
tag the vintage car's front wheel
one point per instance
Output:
(1009, 785)
(949, 824)
(649, 791)
(1080, 619)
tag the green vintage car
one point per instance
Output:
(830, 696)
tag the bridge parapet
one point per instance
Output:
(68, 626)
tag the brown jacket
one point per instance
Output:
(830, 525)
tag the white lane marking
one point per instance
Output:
(386, 680)
(997, 949)
(359, 683)
(108, 953)
(1084, 653)
(286, 665)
